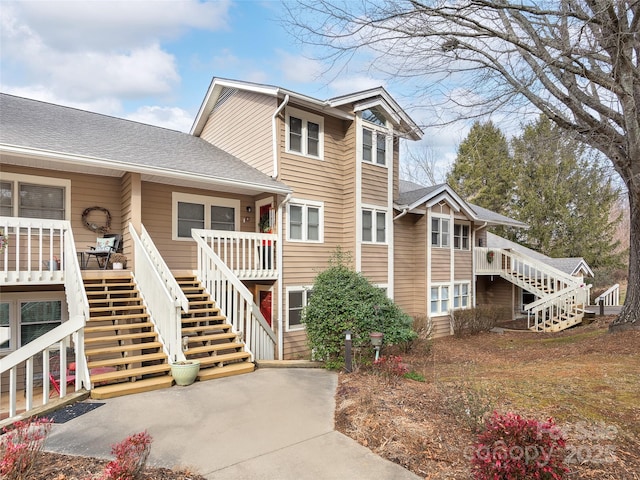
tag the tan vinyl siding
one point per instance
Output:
(242, 126)
(441, 326)
(481, 237)
(440, 264)
(86, 191)
(157, 219)
(463, 264)
(410, 274)
(396, 166)
(296, 346)
(131, 199)
(496, 291)
(374, 184)
(349, 186)
(374, 263)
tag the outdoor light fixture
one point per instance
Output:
(348, 365)
(376, 342)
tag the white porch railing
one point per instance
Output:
(560, 306)
(30, 242)
(609, 298)
(160, 290)
(251, 256)
(234, 299)
(35, 252)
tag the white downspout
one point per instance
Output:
(279, 250)
(401, 214)
(274, 134)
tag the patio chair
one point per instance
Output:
(105, 246)
(54, 373)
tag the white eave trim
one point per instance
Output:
(136, 168)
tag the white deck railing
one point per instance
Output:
(161, 293)
(32, 361)
(234, 299)
(556, 306)
(609, 298)
(35, 252)
(251, 256)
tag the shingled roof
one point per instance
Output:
(28, 126)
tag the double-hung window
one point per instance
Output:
(439, 232)
(34, 316)
(200, 212)
(305, 221)
(297, 299)
(305, 133)
(461, 295)
(375, 138)
(461, 236)
(34, 197)
(439, 299)
(374, 226)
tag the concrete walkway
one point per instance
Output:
(270, 424)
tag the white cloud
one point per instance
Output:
(299, 69)
(350, 84)
(167, 117)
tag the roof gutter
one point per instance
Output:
(128, 167)
(405, 210)
(274, 135)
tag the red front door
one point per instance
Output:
(265, 305)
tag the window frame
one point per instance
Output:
(456, 297)
(439, 300)
(374, 230)
(376, 132)
(440, 231)
(461, 237)
(306, 291)
(305, 205)
(17, 179)
(207, 202)
(305, 118)
(15, 301)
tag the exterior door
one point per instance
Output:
(265, 302)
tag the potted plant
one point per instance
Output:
(185, 372)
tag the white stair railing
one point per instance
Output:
(234, 300)
(609, 298)
(566, 306)
(161, 293)
(250, 256)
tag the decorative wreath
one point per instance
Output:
(102, 229)
(490, 255)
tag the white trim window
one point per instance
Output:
(305, 221)
(374, 225)
(461, 298)
(35, 314)
(31, 196)
(304, 133)
(439, 300)
(376, 141)
(197, 211)
(440, 232)
(461, 236)
(297, 300)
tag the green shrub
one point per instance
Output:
(343, 299)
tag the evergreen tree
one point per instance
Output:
(483, 173)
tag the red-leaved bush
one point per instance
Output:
(20, 445)
(390, 366)
(515, 448)
(131, 457)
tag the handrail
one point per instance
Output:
(164, 307)
(236, 302)
(163, 269)
(610, 297)
(545, 268)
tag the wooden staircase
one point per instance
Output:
(124, 353)
(209, 337)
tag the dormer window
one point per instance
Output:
(304, 133)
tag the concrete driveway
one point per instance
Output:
(270, 424)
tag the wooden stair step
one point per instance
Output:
(206, 328)
(208, 361)
(116, 308)
(112, 362)
(123, 348)
(129, 388)
(117, 326)
(225, 371)
(118, 317)
(97, 301)
(196, 303)
(214, 348)
(130, 373)
(120, 337)
(208, 337)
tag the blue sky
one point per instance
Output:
(152, 61)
